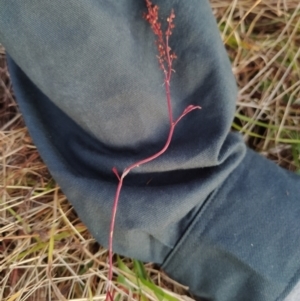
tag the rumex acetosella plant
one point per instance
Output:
(165, 58)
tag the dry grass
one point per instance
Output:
(263, 42)
(46, 253)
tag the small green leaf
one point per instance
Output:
(122, 280)
(140, 269)
(159, 293)
(122, 266)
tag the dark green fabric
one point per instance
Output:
(218, 217)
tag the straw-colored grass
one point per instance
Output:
(263, 42)
(46, 253)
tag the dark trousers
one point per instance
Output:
(215, 215)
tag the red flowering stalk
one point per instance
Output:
(165, 59)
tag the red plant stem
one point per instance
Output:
(167, 85)
(139, 163)
(167, 69)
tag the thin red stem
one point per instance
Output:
(167, 83)
(167, 74)
(112, 226)
(126, 171)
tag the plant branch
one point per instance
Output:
(165, 59)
